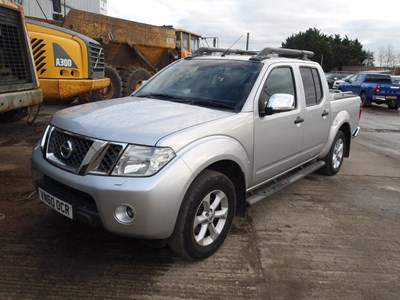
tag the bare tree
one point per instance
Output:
(388, 57)
(381, 56)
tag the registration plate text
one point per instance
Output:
(62, 207)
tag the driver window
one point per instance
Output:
(353, 78)
(280, 80)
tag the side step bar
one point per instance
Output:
(279, 185)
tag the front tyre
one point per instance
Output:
(205, 216)
(114, 90)
(132, 79)
(334, 158)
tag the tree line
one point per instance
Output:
(332, 52)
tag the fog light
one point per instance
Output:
(125, 214)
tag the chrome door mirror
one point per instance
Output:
(279, 103)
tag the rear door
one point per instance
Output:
(317, 116)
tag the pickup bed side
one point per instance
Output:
(344, 107)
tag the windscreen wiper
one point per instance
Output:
(157, 96)
(174, 98)
(212, 104)
(169, 97)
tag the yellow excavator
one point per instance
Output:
(133, 51)
(69, 65)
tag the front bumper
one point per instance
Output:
(61, 89)
(156, 200)
(20, 99)
(356, 131)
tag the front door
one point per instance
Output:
(278, 137)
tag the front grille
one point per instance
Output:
(81, 146)
(14, 61)
(80, 154)
(110, 158)
(96, 60)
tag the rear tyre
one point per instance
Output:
(334, 158)
(364, 100)
(132, 79)
(205, 216)
(114, 90)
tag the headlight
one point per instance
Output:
(142, 161)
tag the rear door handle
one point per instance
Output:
(325, 113)
(298, 120)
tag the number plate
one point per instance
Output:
(391, 97)
(62, 207)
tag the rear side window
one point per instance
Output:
(378, 79)
(312, 85)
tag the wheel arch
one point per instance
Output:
(228, 157)
(345, 128)
(340, 123)
(235, 174)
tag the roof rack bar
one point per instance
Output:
(210, 50)
(258, 55)
(285, 52)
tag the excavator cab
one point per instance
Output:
(186, 42)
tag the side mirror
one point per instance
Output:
(279, 103)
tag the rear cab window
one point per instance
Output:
(312, 85)
(378, 79)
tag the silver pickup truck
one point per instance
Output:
(199, 142)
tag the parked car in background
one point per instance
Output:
(332, 77)
(337, 83)
(373, 87)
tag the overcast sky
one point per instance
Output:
(269, 22)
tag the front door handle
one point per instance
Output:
(298, 120)
(325, 113)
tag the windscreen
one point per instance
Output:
(219, 83)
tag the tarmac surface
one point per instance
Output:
(321, 238)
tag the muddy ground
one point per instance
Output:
(321, 238)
